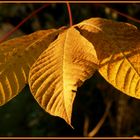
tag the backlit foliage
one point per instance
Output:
(56, 62)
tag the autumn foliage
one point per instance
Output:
(56, 62)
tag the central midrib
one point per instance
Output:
(63, 73)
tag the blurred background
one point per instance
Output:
(99, 109)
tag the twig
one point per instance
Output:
(70, 14)
(21, 23)
(122, 14)
(100, 123)
(86, 126)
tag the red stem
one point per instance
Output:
(21, 23)
(70, 14)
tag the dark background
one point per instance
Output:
(22, 116)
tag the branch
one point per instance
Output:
(21, 23)
(86, 126)
(122, 14)
(100, 123)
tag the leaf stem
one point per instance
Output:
(22, 22)
(70, 13)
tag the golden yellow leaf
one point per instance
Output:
(16, 57)
(59, 70)
(117, 45)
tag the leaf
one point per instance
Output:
(59, 70)
(117, 45)
(16, 57)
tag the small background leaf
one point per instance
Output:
(6, 27)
